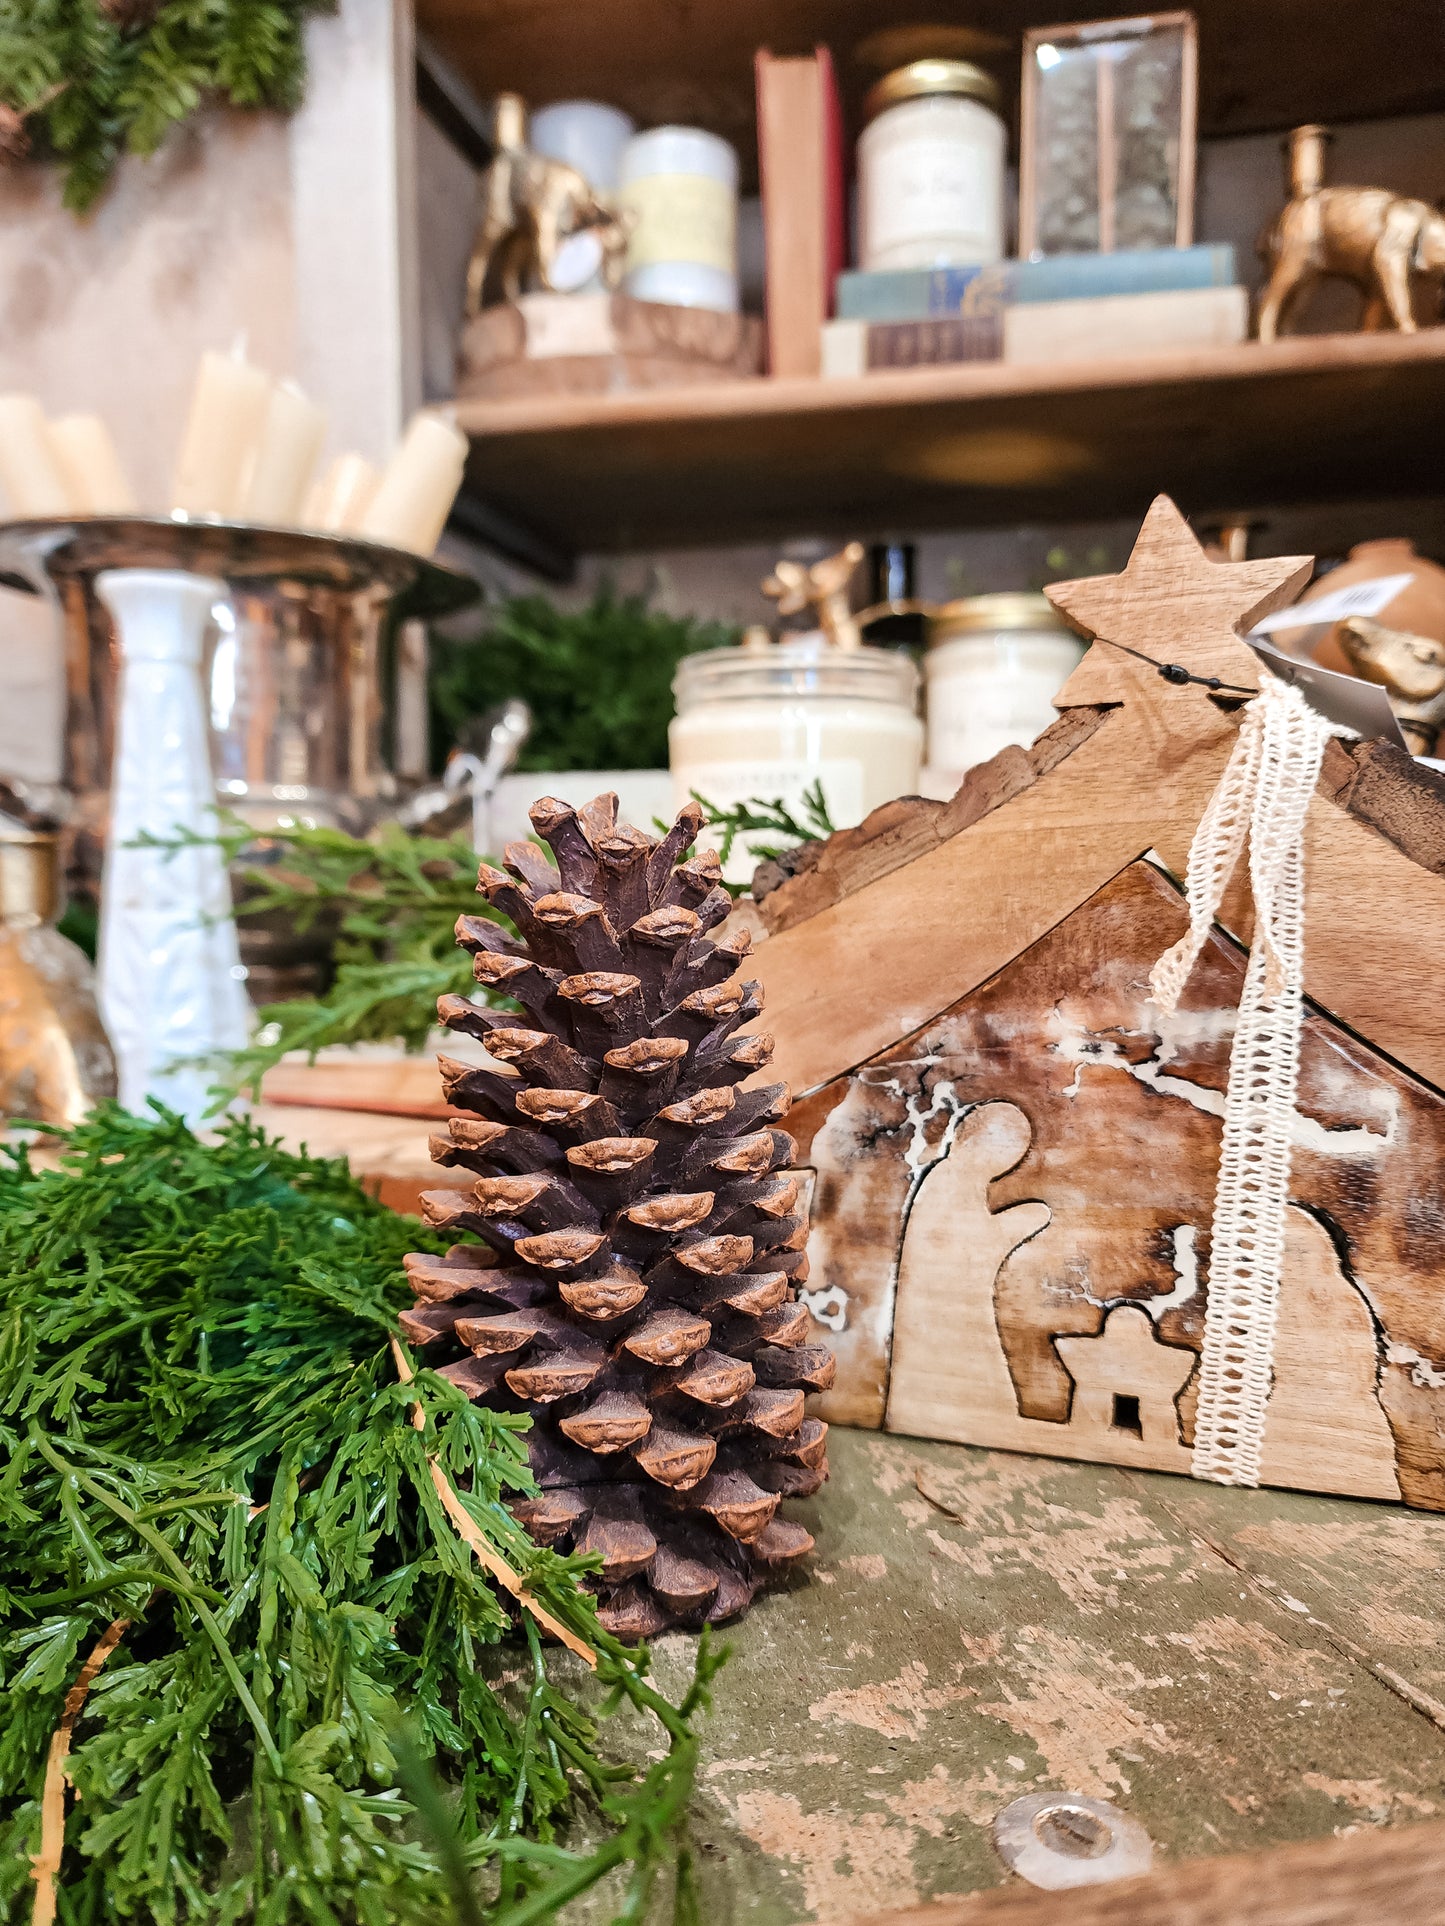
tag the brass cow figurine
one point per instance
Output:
(1366, 235)
(1412, 670)
(530, 206)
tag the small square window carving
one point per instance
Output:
(1126, 1415)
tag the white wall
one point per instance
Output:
(185, 252)
(298, 234)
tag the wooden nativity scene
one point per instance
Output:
(1114, 1119)
(1016, 1148)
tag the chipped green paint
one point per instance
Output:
(978, 1625)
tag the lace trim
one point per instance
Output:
(1262, 799)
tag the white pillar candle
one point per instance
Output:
(92, 468)
(29, 467)
(221, 435)
(339, 501)
(411, 506)
(291, 437)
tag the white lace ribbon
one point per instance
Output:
(1262, 799)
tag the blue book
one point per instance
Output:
(919, 294)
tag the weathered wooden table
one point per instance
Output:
(1233, 1668)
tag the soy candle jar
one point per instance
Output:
(993, 667)
(679, 188)
(931, 169)
(767, 723)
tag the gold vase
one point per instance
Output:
(55, 1059)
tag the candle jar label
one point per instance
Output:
(681, 217)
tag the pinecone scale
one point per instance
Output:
(635, 1291)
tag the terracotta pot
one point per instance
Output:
(1419, 607)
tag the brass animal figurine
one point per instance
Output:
(1367, 235)
(530, 206)
(824, 586)
(1411, 669)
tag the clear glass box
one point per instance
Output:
(1107, 139)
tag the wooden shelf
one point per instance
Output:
(1320, 417)
(1264, 64)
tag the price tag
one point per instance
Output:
(1357, 598)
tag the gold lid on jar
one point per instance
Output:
(1008, 609)
(932, 79)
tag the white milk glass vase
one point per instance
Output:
(171, 986)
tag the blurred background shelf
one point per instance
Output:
(982, 444)
(1264, 64)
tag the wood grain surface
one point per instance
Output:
(1390, 1879)
(1236, 1670)
(970, 445)
(392, 1086)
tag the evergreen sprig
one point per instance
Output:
(115, 79)
(769, 816)
(391, 903)
(202, 1433)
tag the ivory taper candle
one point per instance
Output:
(411, 505)
(291, 437)
(29, 466)
(228, 405)
(92, 468)
(338, 502)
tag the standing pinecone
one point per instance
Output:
(637, 1293)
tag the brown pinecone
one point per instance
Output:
(638, 1298)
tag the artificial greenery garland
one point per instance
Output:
(215, 1488)
(92, 79)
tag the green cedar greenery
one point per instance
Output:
(598, 679)
(768, 816)
(202, 1432)
(393, 901)
(107, 79)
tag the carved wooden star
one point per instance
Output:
(1174, 604)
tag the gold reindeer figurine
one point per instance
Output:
(530, 206)
(1367, 235)
(795, 586)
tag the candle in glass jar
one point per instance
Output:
(772, 722)
(339, 501)
(29, 466)
(931, 169)
(416, 493)
(228, 405)
(292, 432)
(994, 664)
(97, 482)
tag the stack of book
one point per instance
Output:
(1069, 307)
